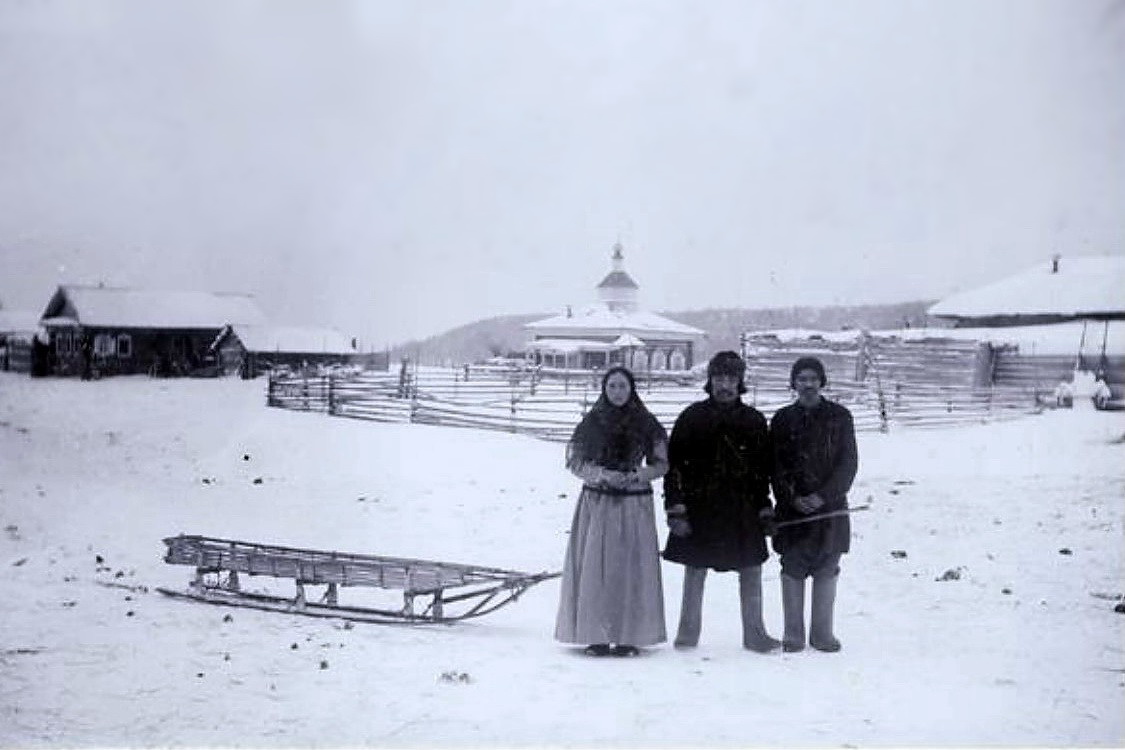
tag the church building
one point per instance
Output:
(613, 330)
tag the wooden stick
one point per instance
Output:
(818, 516)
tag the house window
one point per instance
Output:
(103, 344)
(124, 345)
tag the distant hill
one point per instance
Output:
(491, 337)
(503, 335)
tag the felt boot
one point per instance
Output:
(691, 608)
(754, 635)
(793, 607)
(823, 602)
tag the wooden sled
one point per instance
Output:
(449, 591)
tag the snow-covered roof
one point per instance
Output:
(600, 318)
(1066, 339)
(291, 339)
(1083, 286)
(144, 308)
(18, 321)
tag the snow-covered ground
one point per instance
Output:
(1024, 647)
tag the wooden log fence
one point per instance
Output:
(548, 408)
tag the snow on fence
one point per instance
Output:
(525, 402)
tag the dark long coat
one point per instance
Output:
(719, 462)
(814, 451)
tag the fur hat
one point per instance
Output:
(726, 363)
(807, 363)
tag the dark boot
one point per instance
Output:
(793, 606)
(823, 602)
(754, 635)
(691, 608)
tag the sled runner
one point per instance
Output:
(448, 591)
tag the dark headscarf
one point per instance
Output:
(616, 437)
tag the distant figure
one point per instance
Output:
(1102, 392)
(87, 352)
(611, 595)
(1064, 394)
(815, 461)
(717, 497)
(40, 355)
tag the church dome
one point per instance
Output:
(617, 290)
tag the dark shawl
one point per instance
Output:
(615, 437)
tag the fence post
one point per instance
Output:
(513, 421)
(331, 393)
(270, 398)
(861, 360)
(884, 422)
(403, 376)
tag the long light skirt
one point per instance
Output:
(611, 589)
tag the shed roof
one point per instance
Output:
(144, 308)
(290, 339)
(18, 321)
(1082, 287)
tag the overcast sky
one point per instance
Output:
(394, 169)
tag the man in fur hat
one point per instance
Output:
(716, 495)
(815, 461)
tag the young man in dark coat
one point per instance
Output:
(815, 461)
(716, 495)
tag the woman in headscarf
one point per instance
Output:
(612, 597)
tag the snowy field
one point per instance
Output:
(1018, 645)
